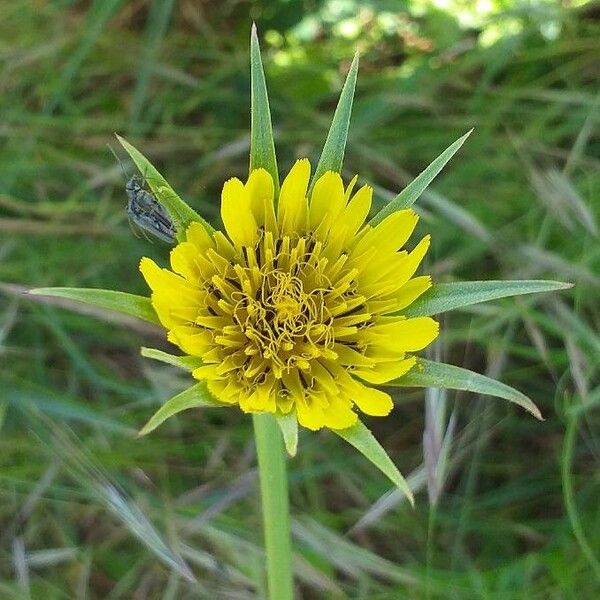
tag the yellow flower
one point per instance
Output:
(299, 307)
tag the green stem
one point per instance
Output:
(275, 506)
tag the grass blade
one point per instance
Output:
(363, 440)
(335, 144)
(448, 296)
(97, 18)
(121, 302)
(178, 210)
(193, 397)
(434, 374)
(408, 196)
(262, 146)
(63, 407)
(566, 464)
(156, 28)
(63, 445)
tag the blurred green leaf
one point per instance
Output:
(97, 17)
(443, 297)
(66, 408)
(408, 196)
(121, 302)
(332, 156)
(193, 397)
(262, 146)
(3, 410)
(427, 373)
(178, 210)
(157, 25)
(289, 429)
(363, 440)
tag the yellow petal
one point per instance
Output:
(385, 279)
(326, 202)
(403, 335)
(196, 234)
(205, 372)
(400, 298)
(225, 390)
(236, 214)
(390, 235)
(192, 340)
(261, 400)
(371, 401)
(411, 263)
(260, 193)
(339, 413)
(167, 287)
(349, 221)
(384, 372)
(350, 187)
(224, 248)
(358, 209)
(162, 279)
(293, 207)
(349, 357)
(309, 412)
(183, 261)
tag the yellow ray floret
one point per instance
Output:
(298, 308)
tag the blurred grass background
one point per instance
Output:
(508, 507)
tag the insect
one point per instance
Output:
(144, 210)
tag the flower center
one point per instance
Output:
(287, 298)
(282, 306)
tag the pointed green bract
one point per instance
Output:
(181, 214)
(194, 397)
(427, 373)
(187, 363)
(363, 440)
(408, 196)
(262, 146)
(121, 302)
(335, 144)
(443, 297)
(289, 429)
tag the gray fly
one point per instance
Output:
(144, 210)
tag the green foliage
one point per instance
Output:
(410, 194)
(444, 297)
(187, 363)
(439, 375)
(193, 397)
(289, 430)
(262, 146)
(363, 440)
(332, 156)
(517, 516)
(121, 302)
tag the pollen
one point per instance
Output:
(300, 308)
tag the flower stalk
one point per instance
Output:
(275, 506)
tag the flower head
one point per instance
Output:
(299, 307)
